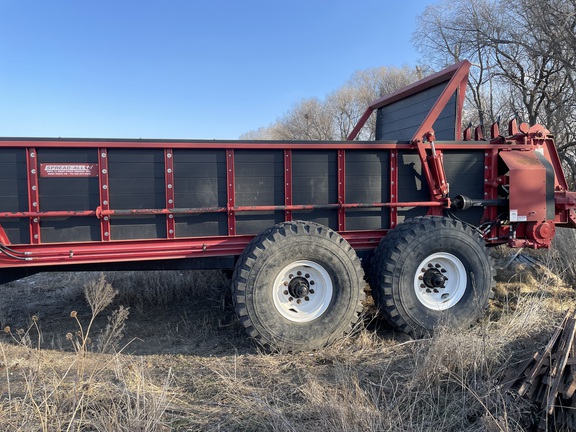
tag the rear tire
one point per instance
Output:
(430, 270)
(298, 286)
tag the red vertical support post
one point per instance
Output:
(33, 195)
(341, 189)
(230, 187)
(490, 174)
(169, 186)
(287, 184)
(103, 179)
(393, 187)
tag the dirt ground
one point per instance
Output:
(169, 314)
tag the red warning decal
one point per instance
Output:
(68, 170)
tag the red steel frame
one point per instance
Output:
(173, 247)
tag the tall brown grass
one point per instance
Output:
(377, 381)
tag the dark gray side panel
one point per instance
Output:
(400, 120)
(259, 182)
(314, 181)
(14, 193)
(367, 181)
(200, 181)
(464, 172)
(68, 194)
(137, 181)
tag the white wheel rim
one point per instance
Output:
(302, 291)
(440, 281)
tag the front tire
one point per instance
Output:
(430, 270)
(298, 286)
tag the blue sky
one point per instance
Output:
(185, 68)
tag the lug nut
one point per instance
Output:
(285, 292)
(312, 282)
(290, 299)
(311, 291)
(306, 275)
(307, 298)
(290, 275)
(299, 273)
(298, 301)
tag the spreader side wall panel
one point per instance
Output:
(412, 185)
(367, 181)
(315, 181)
(465, 174)
(200, 182)
(259, 177)
(137, 181)
(68, 193)
(14, 193)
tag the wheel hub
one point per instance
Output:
(433, 278)
(299, 287)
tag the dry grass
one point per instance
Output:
(377, 381)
